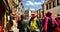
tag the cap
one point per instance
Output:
(34, 15)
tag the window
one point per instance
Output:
(47, 7)
(58, 2)
(53, 3)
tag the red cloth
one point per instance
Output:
(47, 15)
(0, 23)
(1, 28)
(58, 28)
(34, 15)
(20, 0)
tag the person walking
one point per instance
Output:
(21, 24)
(14, 27)
(49, 23)
(34, 24)
(58, 21)
(9, 26)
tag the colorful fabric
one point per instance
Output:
(58, 28)
(33, 25)
(48, 14)
(34, 15)
(20, 0)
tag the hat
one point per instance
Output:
(34, 15)
(58, 15)
(49, 13)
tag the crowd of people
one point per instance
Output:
(49, 23)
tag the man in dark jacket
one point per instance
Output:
(21, 24)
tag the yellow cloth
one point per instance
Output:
(33, 25)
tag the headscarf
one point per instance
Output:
(48, 14)
(34, 15)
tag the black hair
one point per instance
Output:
(11, 22)
(22, 17)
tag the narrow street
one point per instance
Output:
(29, 15)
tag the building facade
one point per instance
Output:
(28, 13)
(21, 9)
(40, 13)
(17, 6)
(51, 5)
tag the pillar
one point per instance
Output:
(48, 5)
(51, 4)
(55, 2)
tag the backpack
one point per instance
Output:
(33, 25)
